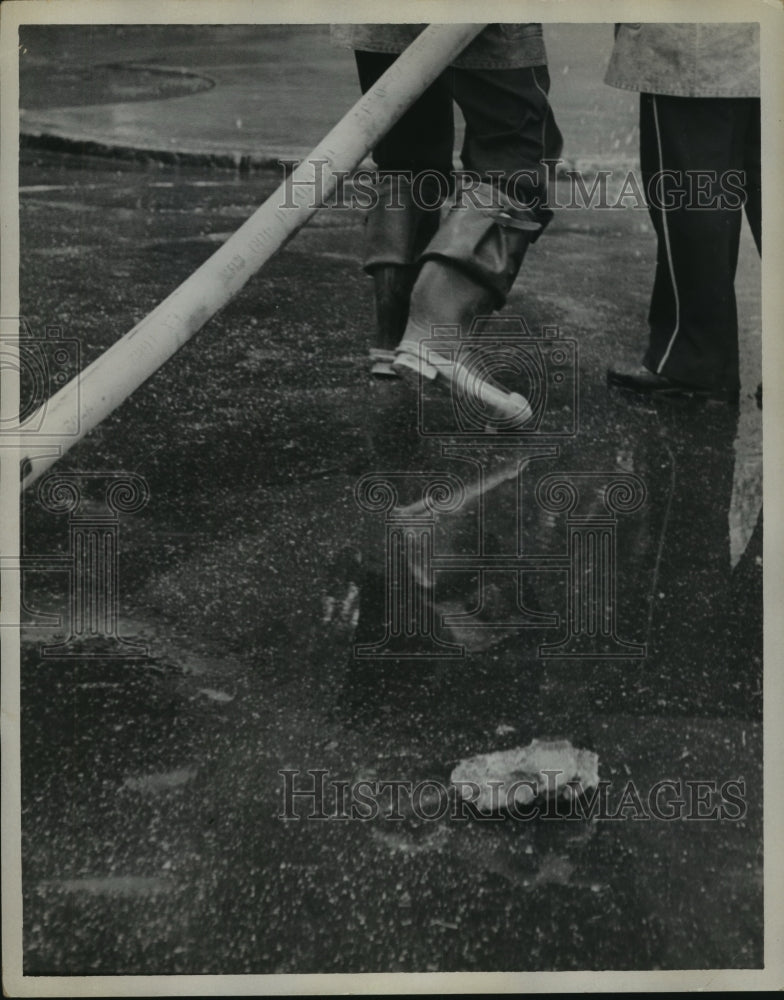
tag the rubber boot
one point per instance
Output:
(392, 285)
(467, 271)
(397, 230)
(443, 296)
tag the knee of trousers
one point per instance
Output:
(396, 226)
(485, 239)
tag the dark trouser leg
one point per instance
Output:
(510, 130)
(481, 243)
(472, 261)
(753, 186)
(753, 167)
(405, 217)
(423, 138)
(693, 318)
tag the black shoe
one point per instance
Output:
(648, 383)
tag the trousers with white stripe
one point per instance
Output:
(700, 160)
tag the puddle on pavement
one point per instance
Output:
(545, 559)
(522, 857)
(615, 894)
(115, 885)
(160, 782)
(110, 83)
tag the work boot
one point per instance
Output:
(467, 271)
(392, 286)
(644, 382)
(443, 296)
(397, 230)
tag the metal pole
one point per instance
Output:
(121, 369)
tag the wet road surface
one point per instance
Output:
(256, 92)
(153, 837)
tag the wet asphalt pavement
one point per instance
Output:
(153, 841)
(255, 92)
(255, 570)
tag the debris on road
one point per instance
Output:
(522, 774)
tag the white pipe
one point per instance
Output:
(121, 369)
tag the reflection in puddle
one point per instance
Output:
(113, 885)
(405, 843)
(518, 856)
(161, 782)
(494, 549)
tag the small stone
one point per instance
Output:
(516, 777)
(213, 695)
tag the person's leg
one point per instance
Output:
(511, 130)
(396, 229)
(753, 186)
(753, 170)
(470, 264)
(399, 225)
(423, 138)
(687, 147)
